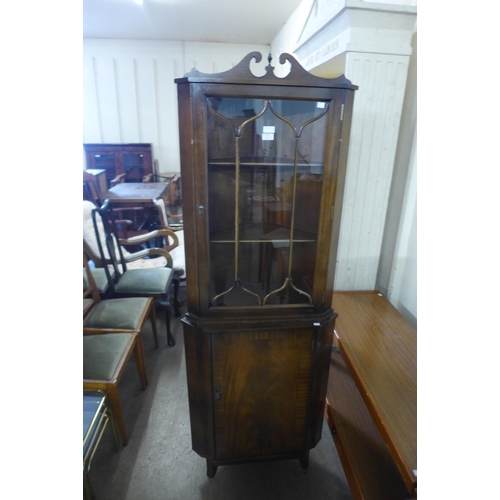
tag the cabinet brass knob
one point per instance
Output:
(218, 392)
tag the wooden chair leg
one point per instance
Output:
(170, 338)
(176, 297)
(154, 326)
(116, 405)
(141, 363)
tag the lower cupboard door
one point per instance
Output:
(261, 387)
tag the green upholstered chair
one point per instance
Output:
(114, 315)
(147, 258)
(101, 281)
(105, 358)
(124, 282)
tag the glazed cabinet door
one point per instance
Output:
(269, 184)
(261, 385)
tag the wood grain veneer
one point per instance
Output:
(379, 348)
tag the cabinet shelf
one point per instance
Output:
(257, 233)
(264, 162)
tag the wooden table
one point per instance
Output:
(135, 192)
(372, 396)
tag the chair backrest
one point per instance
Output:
(91, 191)
(173, 191)
(106, 237)
(162, 212)
(91, 294)
(119, 179)
(90, 245)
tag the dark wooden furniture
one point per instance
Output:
(100, 177)
(372, 397)
(154, 282)
(134, 160)
(128, 193)
(259, 327)
(140, 196)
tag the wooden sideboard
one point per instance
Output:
(371, 405)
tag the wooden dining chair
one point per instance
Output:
(129, 219)
(146, 258)
(123, 282)
(119, 179)
(105, 357)
(178, 251)
(91, 191)
(104, 360)
(167, 220)
(115, 315)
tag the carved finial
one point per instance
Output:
(269, 57)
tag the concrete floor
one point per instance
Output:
(158, 462)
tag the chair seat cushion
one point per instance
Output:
(87, 304)
(102, 354)
(117, 314)
(156, 280)
(100, 278)
(179, 259)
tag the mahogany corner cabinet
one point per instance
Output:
(263, 164)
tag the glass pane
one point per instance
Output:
(106, 162)
(265, 170)
(133, 165)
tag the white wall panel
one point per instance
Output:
(146, 100)
(130, 94)
(167, 150)
(127, 100)
(91, 122)
(107, 102)
(377, 110)
(403, 282)
(218, 57)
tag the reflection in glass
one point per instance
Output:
(265, 167)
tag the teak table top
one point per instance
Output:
(380, 350)
(135, 192)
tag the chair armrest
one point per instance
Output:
(142, 238)
(163, 253)
(148, 252)
(137, 255)
(166, 233)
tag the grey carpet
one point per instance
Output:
(158, 462)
